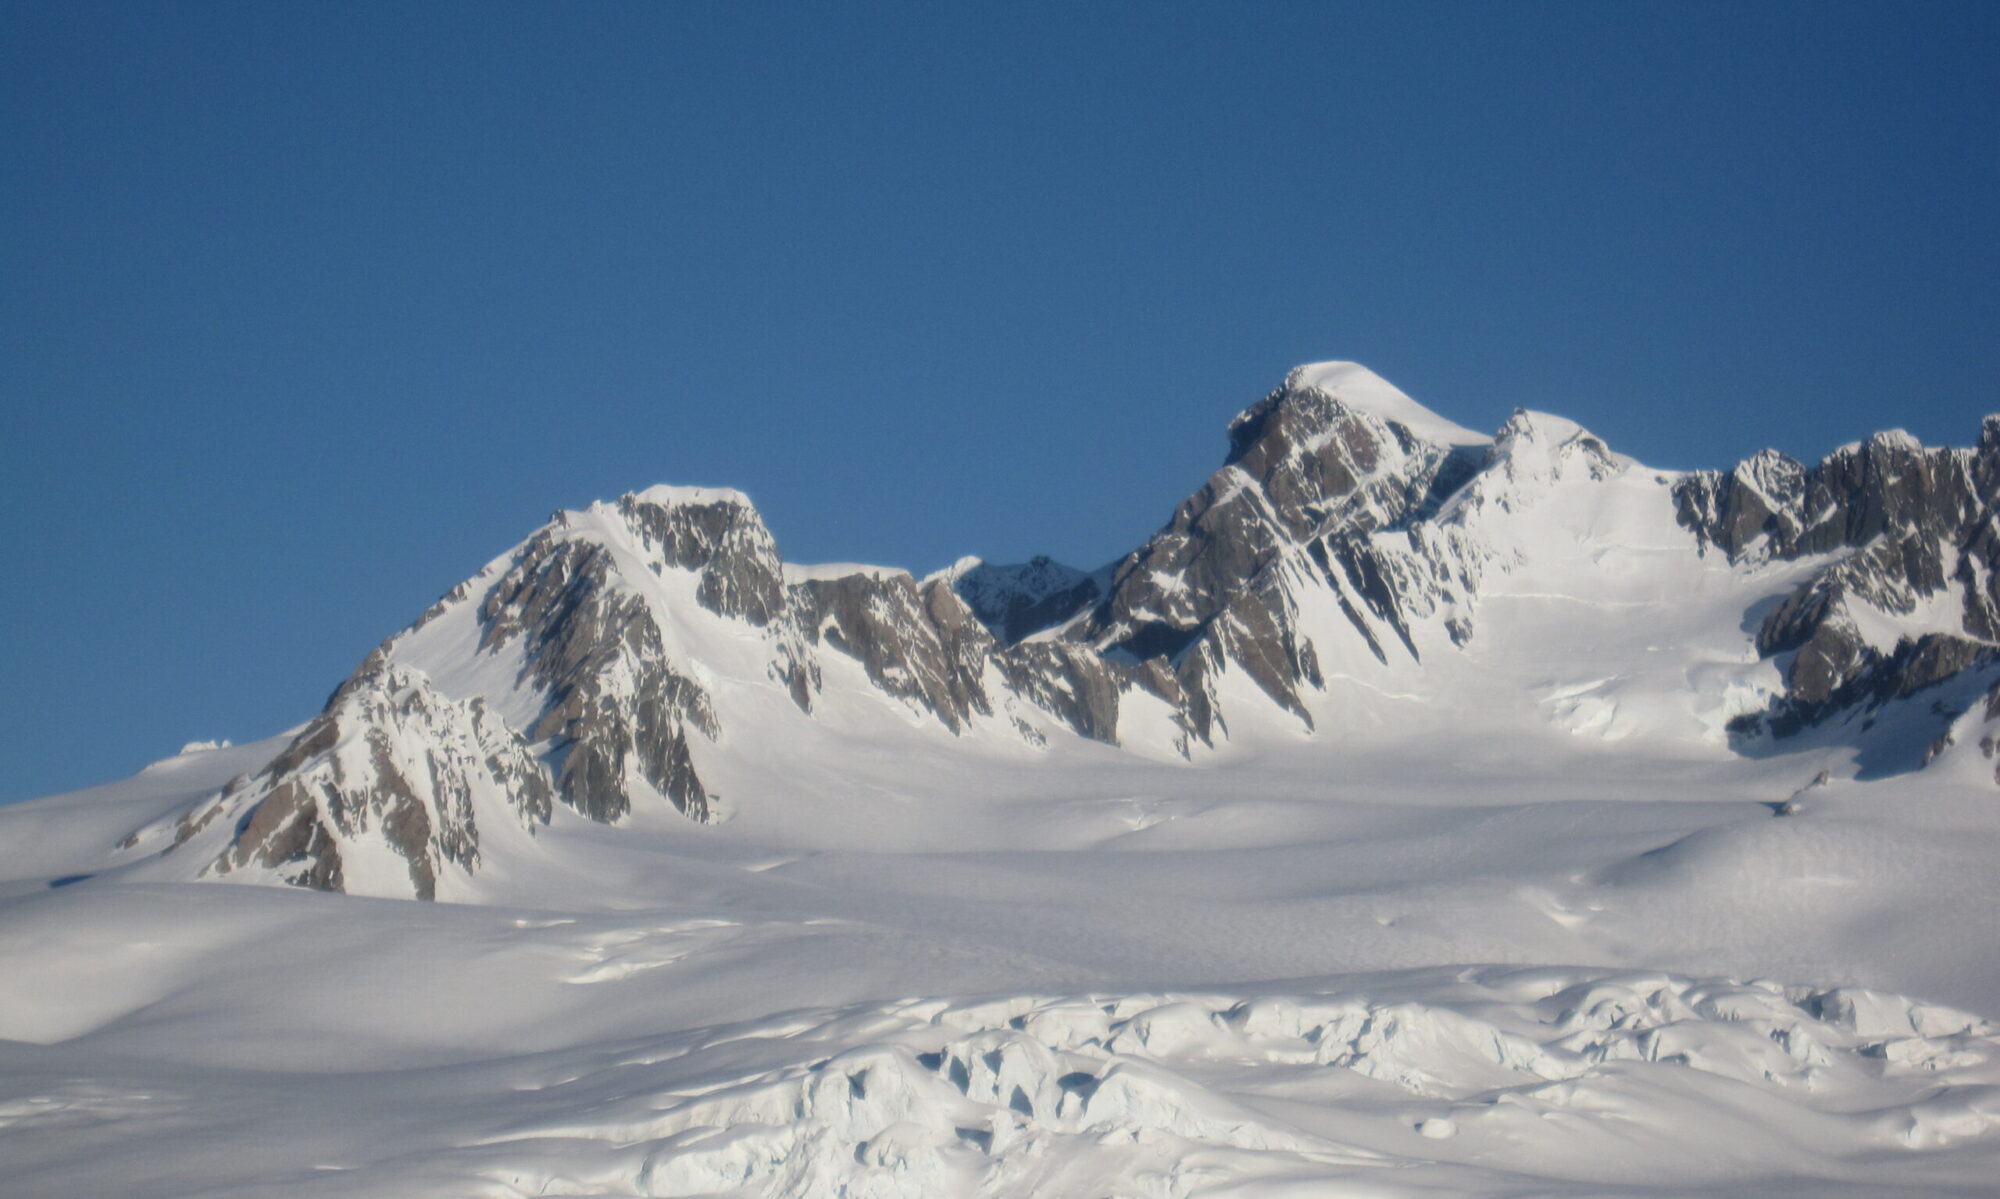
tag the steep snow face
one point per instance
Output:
(573, 647)
(1332, 456)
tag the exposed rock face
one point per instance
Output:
(724, 541)
(1920, 533)
(920, 644)
(617, 710)
(1323, 494)
(617, 707)
(388, 781)
(1348, 530)
(1302, 463)
(1078, 687)
(1312, 479)
(1989, 742)
(1749, 510)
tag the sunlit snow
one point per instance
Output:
(1505, 911)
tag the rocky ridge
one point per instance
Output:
(384, 791)
(1908, 595)
(592, 665)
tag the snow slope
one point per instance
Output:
(1398, 821)
(1363, 389)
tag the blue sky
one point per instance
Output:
(306, 311)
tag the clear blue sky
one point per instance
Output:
(308, 310)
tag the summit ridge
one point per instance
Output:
(1353, 546)
(1359, 388)
(1411, 811)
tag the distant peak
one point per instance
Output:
(1357, 388)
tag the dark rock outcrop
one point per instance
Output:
(1301, 463)
(920, 644)
(1308, 477)
(617, 710)
(1910, 526)
(387, 778)
(724, 541)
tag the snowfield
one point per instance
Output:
(1250, 997)
(1511, 902)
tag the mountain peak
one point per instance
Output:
(1543, 446)
(1016, 600)
(670, 495)
(1359, 389)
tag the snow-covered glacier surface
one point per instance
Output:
(1416, 814)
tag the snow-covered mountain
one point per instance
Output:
(1416, 811)
(1352, 543)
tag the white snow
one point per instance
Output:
(670, 495)
(1503, 918)
(799, 572)
(1929, 612)
(1362, 389)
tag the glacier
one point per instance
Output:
(1416, 812)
